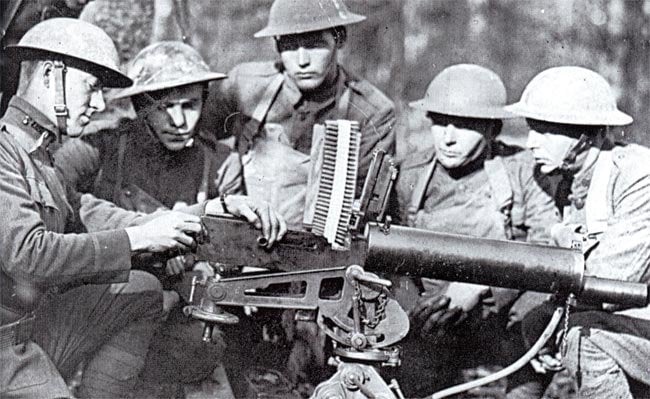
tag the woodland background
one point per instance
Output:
(405, 43)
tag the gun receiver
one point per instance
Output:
(298, 250)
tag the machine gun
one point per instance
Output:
(361, 318)
(353, 302)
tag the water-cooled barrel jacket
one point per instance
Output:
(39, 211)
(232, 102)
(148, 170)
(462, 205)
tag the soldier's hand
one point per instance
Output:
(175, 266)
(432, 315)
(168, 232)
(258, 213)
(566, 235)
(465, 295)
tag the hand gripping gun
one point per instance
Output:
(353, 302)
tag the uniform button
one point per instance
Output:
(579, 203)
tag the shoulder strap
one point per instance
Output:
(596, 208)
(344, 104)
(55, 186)
(119, 179)
(499, 180)
(263, 107)
(417, 196)
(252, 127)
(205, 189)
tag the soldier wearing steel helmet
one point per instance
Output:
(272, 107)
(68, 291)
(463, 186)
(604, 200)
(158, 161)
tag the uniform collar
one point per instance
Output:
(580, 180)
(36, 130)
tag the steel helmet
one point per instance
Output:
(570, 95)
(76, 43)
(164, 65)
(465, 90)
(288, 17)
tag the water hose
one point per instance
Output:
(521, 362)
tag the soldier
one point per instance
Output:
(157, 160)
(154, 162)
(61, 301)
(272, 107)
(604, 195)
(463, 186)
(16, 18)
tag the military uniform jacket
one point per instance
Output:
(148, 175)
(39, 211)
(463, 205)
(622, 251)
(233, 101)
(499, 199)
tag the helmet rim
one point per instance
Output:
(289, 17)
(606, 118)
(570, 95)
(109, 77)
(465, 90)
(140, 89)
(273, 31)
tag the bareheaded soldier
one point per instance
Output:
(464, 186)
(271, 107)
(605, 190)
(68, 291)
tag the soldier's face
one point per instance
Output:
(309, 58)
(458, 141)
(550, 143)
(175, 115)
(84, 97)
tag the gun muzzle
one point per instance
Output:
(508, 264)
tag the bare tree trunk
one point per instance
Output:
(635, 67)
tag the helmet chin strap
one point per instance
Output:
(570, 158)
(60, 107)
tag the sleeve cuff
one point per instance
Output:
(112, 255)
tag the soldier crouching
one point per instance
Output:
(68, 291)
